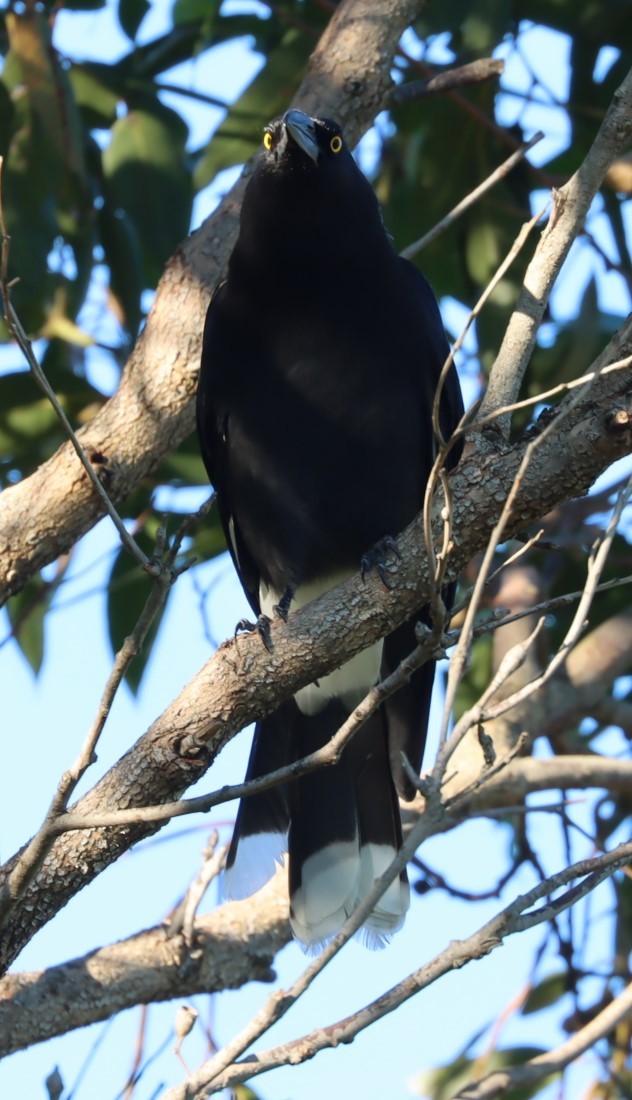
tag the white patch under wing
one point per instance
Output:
(351, 681)
(256, 860)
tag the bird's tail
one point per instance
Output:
(260, 834)
(344, 826)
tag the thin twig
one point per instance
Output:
(571, 204)
(545, 607)
(498, 174)
(482, 711)
(438, 562)
(207, 1081)
(475, 72)
(326, 756)
(183, 917)
(474, 426)
(443, 451)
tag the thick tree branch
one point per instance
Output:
(235, 944)
(152, 411)
(566, 773)
(244, 680)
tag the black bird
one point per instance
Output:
(322, 352)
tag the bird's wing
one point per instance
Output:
(408, 710)
(433, 356)
(213, 425)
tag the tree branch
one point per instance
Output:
(238, 941)
(234, 945)
(244, 680)
(543, 1065)
(510, 920)
(476, 72)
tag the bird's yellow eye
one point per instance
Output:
(267, 140)
(335, 144)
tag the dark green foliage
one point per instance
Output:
(445, 1083)
(128, 589)
(27, 613)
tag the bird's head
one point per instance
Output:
(297, 142)
(306, 197)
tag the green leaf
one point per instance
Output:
(45, 183)
(152, 58)
(548, 992)
(244, 1092)
(123, 256)
(6, 118)
(128, 589)
(148, 178)
(30, 430)
(477, 677)
(94, 97)
(131, 14)
(445, 1082)
(27, 611)
(196, 11)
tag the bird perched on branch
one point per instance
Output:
(322, 353)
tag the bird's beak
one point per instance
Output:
(302, 130)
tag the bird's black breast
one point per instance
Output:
(323, 395)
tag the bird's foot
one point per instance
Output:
(282, 608)
(376, 558)
(260, 627)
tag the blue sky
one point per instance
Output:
(49, 717)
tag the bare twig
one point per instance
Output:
(35, 1006)
(139, 1049)
(476, 72)
(326, 756)
(185, 1020)
(503, 619)
(482, 711)
(438, 563)
(183, 917)
(472, 426)
(498, 174)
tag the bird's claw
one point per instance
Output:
(282, 608)
(375, 558)
(260, 627)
